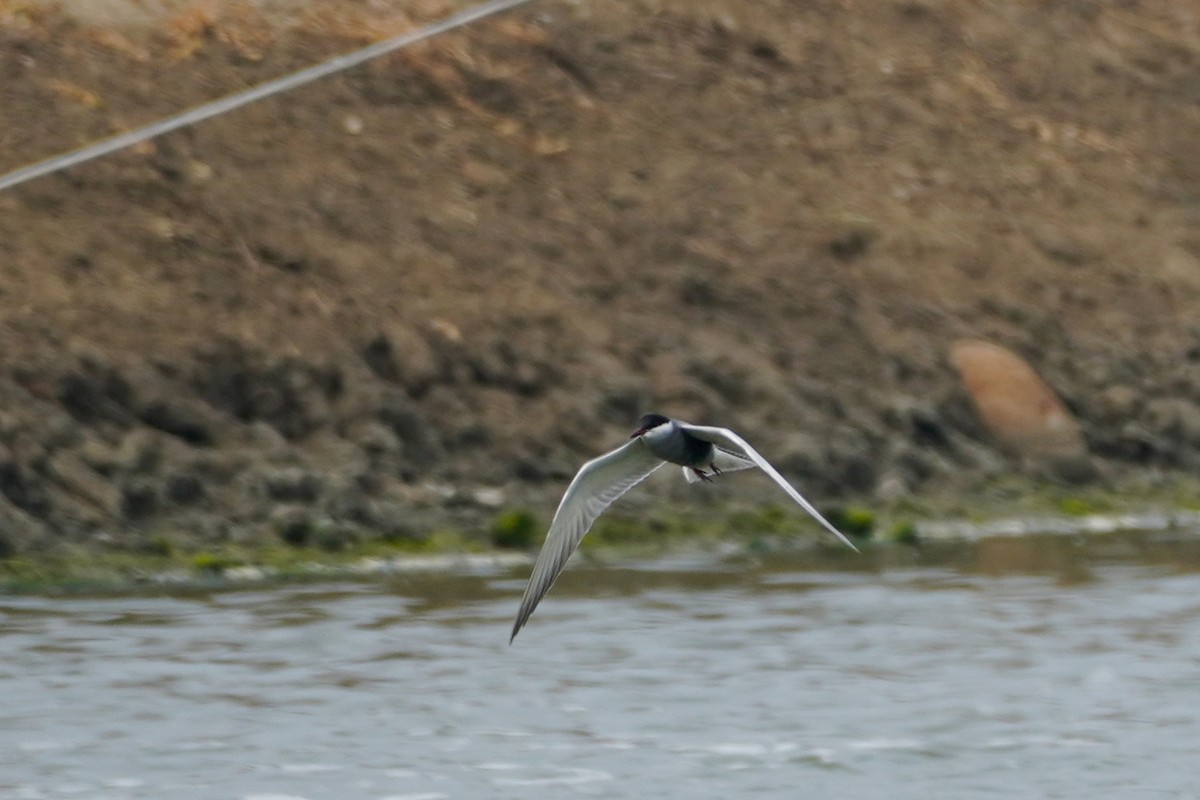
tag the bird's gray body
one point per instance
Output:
(673, 444)
(702, 452)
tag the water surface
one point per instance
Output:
(1010, 668)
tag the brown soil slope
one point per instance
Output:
(474, 263)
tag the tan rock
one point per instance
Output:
(1016, 406)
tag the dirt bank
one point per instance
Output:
(406, 297)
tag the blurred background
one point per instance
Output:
(937, 259)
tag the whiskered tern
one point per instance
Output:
(703, 452)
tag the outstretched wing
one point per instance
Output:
(725, 461)
(598, 483)
(728, 440)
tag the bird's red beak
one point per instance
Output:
(638, 433)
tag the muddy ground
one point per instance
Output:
(421, 292)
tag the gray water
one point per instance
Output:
(1011, 669)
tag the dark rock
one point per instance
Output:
(368, 482)
(139, 451)
(853, 241)
(518, 365)
(218, 467)
(287, 393)
(98, 454)
(139, 498)
(1115, 405)
(282, 253)
(210, 528)
(19, 531)
(94, 391)
(404, 418)
(852, 464)
(377, 441)
(473, 434)
(21, 486)
(57, 431)
(533, 470)
(1134, 443)
(334, 536)
(957, 412)
(379, 354)
(348, 503)
(1173, 418)
(698, 289)
(975, 455)
(916, 466)
(1078, 470)
(263, 438)
(188, 419)
(626, 191)
(293, 485)
(449, 351)
(1061, 246)
(295, 525)
(403, 356)
(921, 422)
(184, 488)
(71, 473)
(72, 516)
(9, 544)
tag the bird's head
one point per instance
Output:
(649, 423)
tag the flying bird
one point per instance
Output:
(703, 452)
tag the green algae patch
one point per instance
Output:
(1083, 506)
(177, 559)
(79, 569)
(903, 532)
(857, 522)
(76, 569)
(214, 562)
(515, 528)
(769, 518)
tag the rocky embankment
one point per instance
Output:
(418, 295)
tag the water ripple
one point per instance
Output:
(958, 679)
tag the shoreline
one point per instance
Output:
(233, 569)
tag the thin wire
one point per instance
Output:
(225, 104)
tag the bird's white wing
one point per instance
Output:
(727, 439)
(725, 462)
(596, 486)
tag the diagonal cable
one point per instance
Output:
(225, 104)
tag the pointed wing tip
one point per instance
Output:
(841, 536)
(520, 623)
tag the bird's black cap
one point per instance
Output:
(647, 422)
